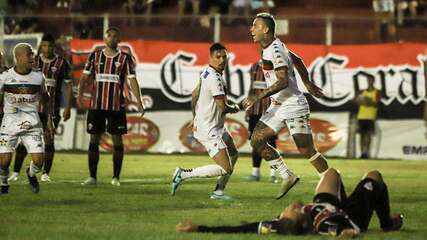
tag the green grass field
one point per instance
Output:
(143, 209)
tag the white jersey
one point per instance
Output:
(276, 55)
(21, 97)
(209, 121)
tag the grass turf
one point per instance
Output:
(142, 207)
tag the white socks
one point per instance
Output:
(255, 171)
(205, 171)
(33, 169)
(279, 166)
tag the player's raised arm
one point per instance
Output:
(303, 72)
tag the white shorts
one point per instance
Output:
(24, 126)
(213, 145)
(275, 118)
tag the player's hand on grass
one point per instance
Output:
(349, 233)
(314, 90)
(186, 227)
(66, 114)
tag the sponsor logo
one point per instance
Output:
(53, 69)
(25, 125)
(414, 150)
(237, 130)
(142, 134)
(325, 136)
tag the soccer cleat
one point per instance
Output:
(396, 223)
(115, 182)
(88, 182)
(34, 184)
(176, 180)
(287, 184)
(273, 179)
(45, 178)
(4, 189)
(220, 196)
(253, 178)
(14, 177)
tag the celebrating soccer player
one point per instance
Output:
(210, 105)
(57, 71)
(22, 89)
(110, 68)
(289, 106)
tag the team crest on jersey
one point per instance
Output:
(117, 64)
(53, 69)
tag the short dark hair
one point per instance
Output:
(116, 29)
(48, 38)
(268, 20)
(216, 47)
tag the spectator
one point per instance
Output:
(184, 5)
(239, 8)
(368, 101)
(262, 5)
(386, 27)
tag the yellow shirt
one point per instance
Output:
(368, 112)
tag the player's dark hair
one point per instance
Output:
(48, 38)
(292, 227)
(216, 47)
(113, 29)
(268, 20)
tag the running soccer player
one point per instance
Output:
(209, 106)
(111, 68)
(289, 107)
(57, 71)
(23, 89)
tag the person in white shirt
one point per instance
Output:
(209, 106)
(289, 107)
(23, 88)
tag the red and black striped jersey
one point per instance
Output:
(110, 74)
(56, 71)
(258, 85)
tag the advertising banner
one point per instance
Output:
(168, 71)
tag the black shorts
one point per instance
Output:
(55, 118)
(327, 198)
(365, 126)
(115, 121)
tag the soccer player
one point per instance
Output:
(368, 100)
(253, 114)
(289, 107)
(331, 212)
(22, 89)
(111, 68)
(209, 106)
(57, 71)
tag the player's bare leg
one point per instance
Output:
(35, 167)
(259, 142)
(223, 180)
(20, 154)
(117, 159)
(93, 159)
(48, 157)
(5, 159)
(222, 167)
(330, 183)
(305, 146)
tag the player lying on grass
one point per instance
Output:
(331, 213)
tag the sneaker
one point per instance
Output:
(34, 184)
(176, 180)
(45, 178)
(253, 178)
(220, 196)
(4, 189)
(88, 182)
(273, 179)
(13, 177)
(115, 182)
(287, 184)
(396, 223)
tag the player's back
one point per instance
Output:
(209, 120)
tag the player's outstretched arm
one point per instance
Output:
(303, 72)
